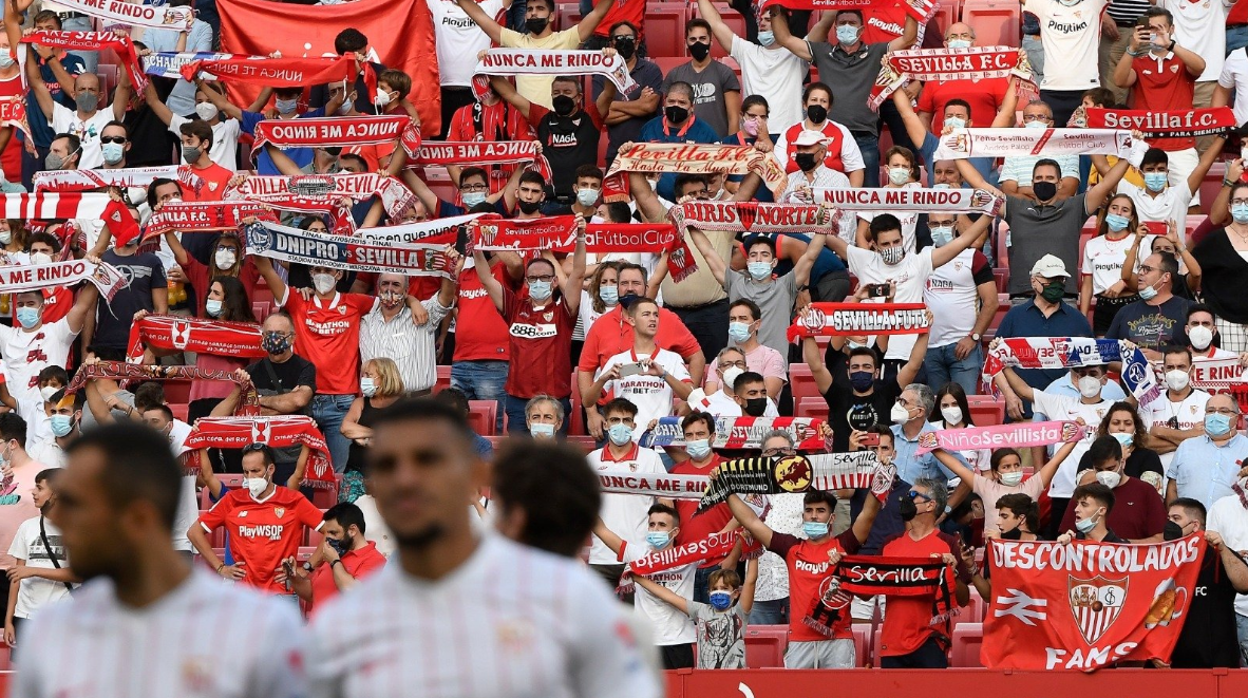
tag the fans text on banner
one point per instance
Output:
(652, 485)
(1165, 124)
(911, 199)
(288, 244)
(789, 474)
(19, 278)
(522, 61)
(138, 15)
(743, 432)
(962, 143)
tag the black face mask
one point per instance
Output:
(563, 104)
(755, 406)
(1172, 531)
(699, 51)
(529, 207)
(1015, 534)
(816, 113)
(1045, 191)
(625, 47)
(907, 510)
(805, 161)
(628, 299)
(676, 115)
(536, 25)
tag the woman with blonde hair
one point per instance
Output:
(381, 386)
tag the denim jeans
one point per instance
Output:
(515, 416)
(770, 612)
(942, 367)
(482, 380)
(869, 144)
(328, 411)
(91, 59)
(1236, 37)
(1035, 54)
(1241, 626)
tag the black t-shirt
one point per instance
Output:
(1140, 461)
(848, 411)
(1150, 326)
(144, 272)
(291, 374)
(568, 143)
(1208, 638)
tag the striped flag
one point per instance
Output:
(49, 205)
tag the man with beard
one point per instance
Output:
(1208, 637)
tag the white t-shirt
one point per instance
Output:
(25, 354)
(851, 155)
(671, 627)
(1170, 205)
(1189, 413)
(459, 39)
(909, 219)
(1103, 259)
(1070, 35)
(652, 395)
(911, 279)
(1234, 76)
(1200, 27)
(1060, 408)
(65, 120)
(188, 502)
(224, 150)
(774, 73)
(624, 514)
(36, 593)
(1229, 518)
(953, 297)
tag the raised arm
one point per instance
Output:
(780, 27)
(1098, 194)
(491, 284)
(749, 520)
(282, 161)
(946, 459)
(483, 20)
(507, 92)
(943, 255)
(158, 107)
(908, 35)
(608, 537)
(222, 103)
(914, 125)
(713, 261)
(1018, 385)
(1050, 468)
(84, 305)
(35, 80)
(801, 270)
(1206, 161)
(910, 370)
(590, 22)
(264, 265)
(576, 278)
(647, 201)
(211, 481)
(665, 595)
(121, 96)
(724, 35)
(818, 370)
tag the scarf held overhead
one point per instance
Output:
(789, 474)
(1165, 124)
(1069, 352)
(963, 143)
(652, 484)
(439, 231)
(942, 64)
(204, 216)
(288, 244)
(911, 199)
(20, 278)
(854, 319)
(276, 72)
(394, 195)
(694, 158)
(714, 546)
(95, 41)
(338, 132)
(1016, 435)
(751, 217)
(168, 64)
(523, 61)
(138, 177)
(248, 404)
(278, 432)
(743, 432)
(216, 337)
(135, 14)
(482, 154)
(921, 10)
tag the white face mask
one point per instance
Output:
(952, 414)
(1109, 478)
(1012, 479)
(47, 391)
(731, 374)
(1089, 387)
(899, 414)
(1201, 337)
(256, 485)
(206, 111)
(1177, 380)
(225, 258)
(324, 283)
(40, 258)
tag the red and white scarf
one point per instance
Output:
(744, 432)
(483, 154)
(339, 217)
(695, 158)
(553, 62)
(493, 234)
(1165, 124)
(13, 113)
(941, 64)
(853, 319)
(338, 132)
(439, 231)
(277, 431)
(395, 196)
(277, 72)
(240, 340)
(751, 217)
(19, 278)
(652, 484)
(88, 180)
(95, 41)
(963, 143)
(248, 404)
(137, 15)
(204, 216)
(911, 199)
(714, 546)
(921, 10)
(344, 252)
(46, 206)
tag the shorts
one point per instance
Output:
(821, 654)
(862, 610)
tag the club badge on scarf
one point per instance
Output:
(20, 278)
(278, 431)
(911, 199)
(921, 10)
(853, 319)
(744, 432)
(524, 61)
(492, 233)
(240, 340)
(288, 244)
(652, 484)
(1016, 435)
(249, 400)
(789, 474)
(395, 197)
(1086, 605)
(1165, 124)
(1070, 352)
(752, 217)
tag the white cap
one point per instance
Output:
(806, 138)
(1049, 267)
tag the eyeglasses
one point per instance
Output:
(624, 39)
(1222, 411)
(536, 279)
(729, 364)
(773, 452)
(1036, 117)
(915, 494)
(1146, 269)
(474, 187)
(1239, 202)
(112, 139)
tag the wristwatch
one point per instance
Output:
(975, 337)
(307, 566)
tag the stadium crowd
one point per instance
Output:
(593, 352)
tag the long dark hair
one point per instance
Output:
(958, 394)
(235, 306)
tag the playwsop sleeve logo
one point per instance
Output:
(793, 473)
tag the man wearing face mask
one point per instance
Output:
(181, 99)
(225, 130)
(31, 345)
(952, 293)
(266, 523)
(343, 558)
(909, 418)
(983, 97)
(1156, 320)
(1202, 335)
(634, 108)
(64, 413)
(1180, 416)
(743, 329)
(285, 102)
(1139, 516)
(677, 124)
(1208, 638)
(196, 148)
(699, 431)
(55, 66)
(716, 91)
(87, 121)
(1092, 505)
(389, 330)
(1206, 468)
(490, 119)
(810, 149)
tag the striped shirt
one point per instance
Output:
(509, 622)
(1125, 12)
(410, 346)
(205, 639)
(823, 177)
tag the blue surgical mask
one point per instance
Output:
(540, 290)
(368, 386)
(620, 434)
(766, 38)
(942, 235)
(898, 176)
(1155, 181)
(542, 430)
(759, 270)
(658, 539)
(815, 529)
(846, 33)
(587, 196)
(610, 295)
(473, 198)
(1240, 213)
(698, 448)
(959, 43)
(213, 308)
(1215, 424)
(28, 317)
(1115, 222)
(1148, 293)
(1035, 124)
(739, 332)
(1085, 525)
(720, 599)
(113, 152)
(62, 424)
(955, 122)
(286, 106)
(1125, 440)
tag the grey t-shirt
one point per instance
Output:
(774, 298)
(851, 76)
(1037, 230)
(709, 87)
(721, 636)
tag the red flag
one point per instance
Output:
(120, 223)
(1087, 605)
(401, 33)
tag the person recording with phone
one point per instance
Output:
(343, 558)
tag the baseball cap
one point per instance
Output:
(810, 138)
(1049, 266)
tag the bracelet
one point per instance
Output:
(1228, 182)
(220, 567)
(337, 561)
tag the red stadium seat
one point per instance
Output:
(996, 22)
(813, 407)
(666, 63)
(313, 538)
(1002, 277)
(179, 410)
(967, 640)
(802, 382)
(585, 442)
(732, 19)
(974, 611)
(664, 30)
(567, 16)
(946, 14)
(986, 410)
(481, 416)
(862, 643)
(765, 646)
(1003, 307)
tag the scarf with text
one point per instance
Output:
(744, 432)
(278, 432)
(248, 403)
(1165, 124)
(1070, 352)
(95, 41)
(853, 319)
(276, 72)
(168, 64)
(652, 484)
(491, 233)
(337, 132)
(49, 205)
(921, 10)
(395, 196)
(204, 216)
(483, 154)
(240, 340)
(963, 143)
(439, 231)
(695, 158)
(941, 64)
(134, 14)
(13, 113)
(344, 252)
(714, 547)
(868, 575)
(911, 199)
(1017, 435)
(752, 217)
(139, 177)
(20, 278)
(525, 61)
(336, 216)
(790, 474)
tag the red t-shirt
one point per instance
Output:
(1164, 86)
(883, 24)
(359, 563)
(215, 179)
(984, 96)
(262, 534)
(57, 303)
(327, 333)
(693, 526)
(611, 335)
(200, 275)
(907, 625)
(809, 574)
(632, 11)
(480, 332)
(541, 346)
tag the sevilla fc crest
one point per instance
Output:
(279, 512)
(260, 432)
(747, 213)
(1096, 603)
(814, 320)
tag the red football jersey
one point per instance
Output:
(541, 343)
(814, 614)
(480, 332)
(907, 625)
(262, 534)
(327, 333)
(695, 527)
